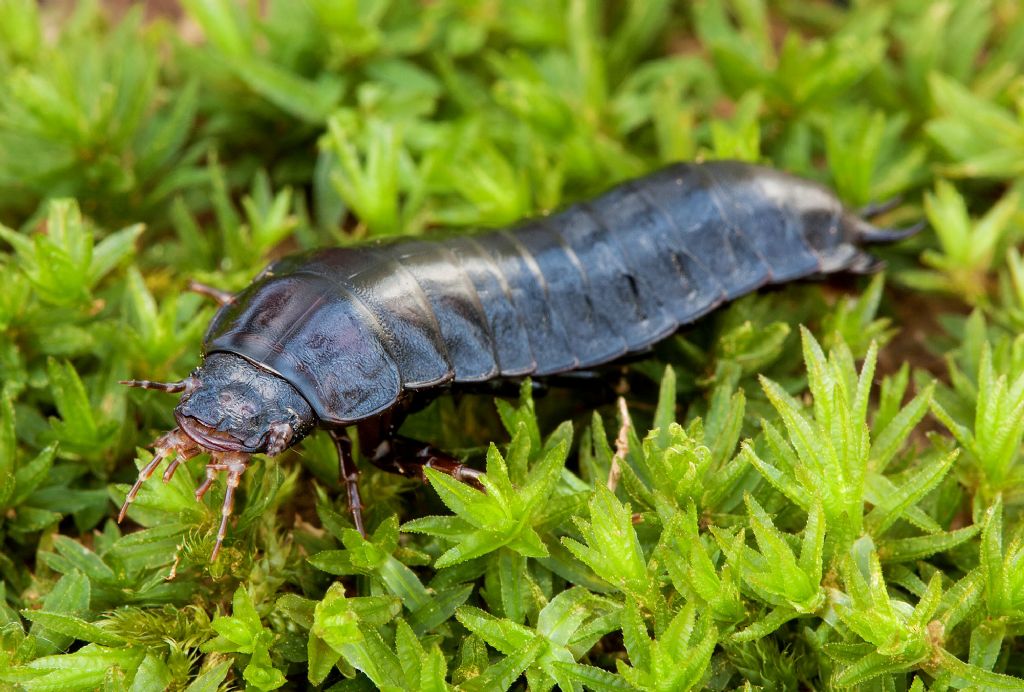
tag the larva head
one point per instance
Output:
(231, 405)
(232, 409)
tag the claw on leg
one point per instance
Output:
(174, 443)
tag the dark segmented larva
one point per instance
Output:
(359, 335)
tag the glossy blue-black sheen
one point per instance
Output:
(352, 329)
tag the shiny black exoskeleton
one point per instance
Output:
(355, 335)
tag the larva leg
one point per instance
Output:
(212, 469)
(176, 444)
(380, 442)
(349, 474)
(144, 475)
(234, 478)
(222, 297)
(411, 458)
(235, 464)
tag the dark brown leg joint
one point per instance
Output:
(399, 455)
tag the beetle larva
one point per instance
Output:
(358, 335)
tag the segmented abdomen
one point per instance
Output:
(617, 274)
(352, 328)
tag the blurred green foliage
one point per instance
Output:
(778, 515)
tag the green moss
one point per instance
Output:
(782, 515)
